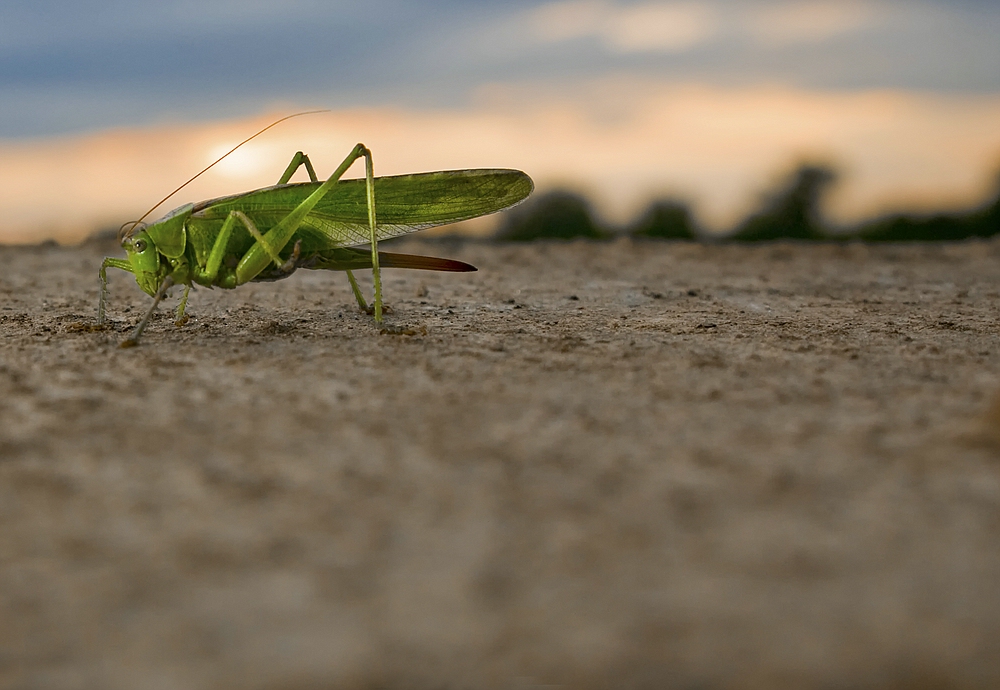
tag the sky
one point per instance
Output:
(109, 104)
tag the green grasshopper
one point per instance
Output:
(268, 233)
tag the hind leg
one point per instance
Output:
(302, 160)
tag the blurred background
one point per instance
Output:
(664, 118)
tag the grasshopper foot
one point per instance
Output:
(370, 309)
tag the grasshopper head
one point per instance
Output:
(145, 261)
(151, 249)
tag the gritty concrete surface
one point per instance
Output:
(588, 465)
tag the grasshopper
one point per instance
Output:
(266, 234)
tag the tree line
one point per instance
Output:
(791, 212)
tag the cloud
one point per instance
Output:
(788, 23)
(72, 65)
(677, 27)
(658, 27)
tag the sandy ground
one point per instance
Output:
(622, 465)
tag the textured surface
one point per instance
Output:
(590, 465)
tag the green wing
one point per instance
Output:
(403, 204)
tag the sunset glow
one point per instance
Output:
(623, 144)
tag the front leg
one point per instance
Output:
(124, 265)
(133, 339)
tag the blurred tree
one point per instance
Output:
(989, 218)
(904, 228)
(981, 222)
(792, 212)
(669, 220)
(556, 215)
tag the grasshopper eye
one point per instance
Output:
(140, 246)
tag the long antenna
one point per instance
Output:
(132, 224)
